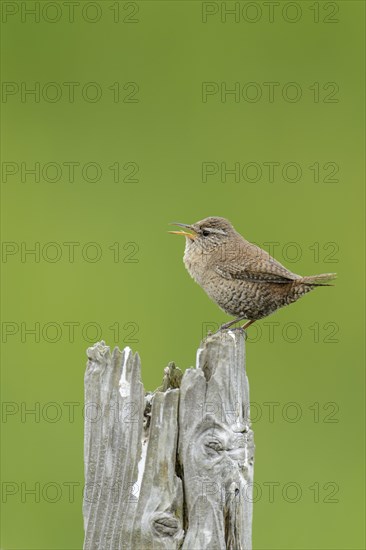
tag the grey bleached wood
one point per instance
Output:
(174, 468)
(216, 448)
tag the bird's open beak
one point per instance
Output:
(191, 236)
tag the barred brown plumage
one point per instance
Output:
(243, 280)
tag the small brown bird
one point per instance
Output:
(243, 280)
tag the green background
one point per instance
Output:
(169, 132)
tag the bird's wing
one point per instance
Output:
(254, 265)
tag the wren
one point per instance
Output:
(240, 277)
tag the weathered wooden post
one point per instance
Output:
(174, 468)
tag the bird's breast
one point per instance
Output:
(195, 264)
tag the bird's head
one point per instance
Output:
(207, 234)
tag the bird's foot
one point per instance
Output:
(227, 325)
(247, 324)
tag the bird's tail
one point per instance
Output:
(319, 280)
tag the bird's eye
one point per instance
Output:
(205, 233)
